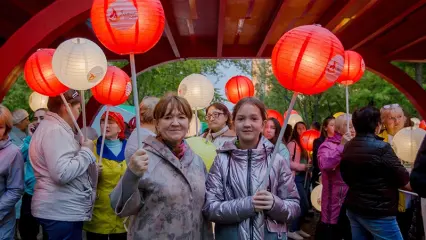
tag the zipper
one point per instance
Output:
(249, 191)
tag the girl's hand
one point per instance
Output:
(346, 138)
(263, 200)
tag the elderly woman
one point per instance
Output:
(334, 223)
(11, 176)
(219, 121)
(166, 195)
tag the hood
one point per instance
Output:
(337, 138)
(5, 143)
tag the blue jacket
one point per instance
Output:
(29, 177)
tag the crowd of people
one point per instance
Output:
(164, 190)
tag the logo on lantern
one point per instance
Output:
(128, 89)
(122, 14)
(182, 90)
(334, 68)
(94, 73)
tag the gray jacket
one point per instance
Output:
(65, 173)
(231, 184)
(166, 202)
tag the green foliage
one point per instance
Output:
(18, 95)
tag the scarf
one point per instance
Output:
(178, 150)
(211, 136)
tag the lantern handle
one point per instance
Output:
(71, 115)
(275, 152)
(83, 105)
(196, 122)
(347, 108)
(103, 134)
(136, 99)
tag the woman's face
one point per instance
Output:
(330, 128)
(76, 110)
(2, 130)
(394, 120)
(173, 126)
(248, 124)
(112, 129)
(216, 119)
(269, 130)
(300, 129)
(352, 129)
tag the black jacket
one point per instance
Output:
(373, 173)
(418, 175)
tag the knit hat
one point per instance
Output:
(19, 115)
(118, 118)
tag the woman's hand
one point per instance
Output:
(100, 168)
(139, 162)
(263, 200)
(346, 138)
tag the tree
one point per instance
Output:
(18, 95)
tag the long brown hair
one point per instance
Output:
(296, 137)
(277, 129)
(324, 125)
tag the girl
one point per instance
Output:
(271, 131)
(299, 164)
(327, 130)
(233, 201)
(105, 224)
(219, 121)
(11, 176)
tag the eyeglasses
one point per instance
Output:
(213, 115)
(389, 106)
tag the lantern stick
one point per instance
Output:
(83, 105)
(307, 172)
(71, 115)
(136, 98)
(275, 152)
(196, 122)
(103, 134)
(347, 108)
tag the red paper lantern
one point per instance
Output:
(292, 112)
(307, 139)
(128, 26)
(308, 59)
(353, 69)
(422, 125)
(239, 87)
(39, 75)
(114, 89)
(275, 114)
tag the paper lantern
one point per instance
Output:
(114, 89)
(307, 139)
(422, 125)
(79, 63)
(238, 87)
(336, 115)
(415, 121)
(197, 90)
(308, 59)
(294, 118)
(192, 131)
(292, 112)
(39, 74)
(406, 143)
(203, 148)
(37, 101)
(275, 114)
(353, 69)
(128, 26)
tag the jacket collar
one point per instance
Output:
(368, 135)
(337, 138)
(108, 154)
(264, 147)
(5, 143)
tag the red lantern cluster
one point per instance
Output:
(307, 139)
(308, 59)
(275, 114)
(353, 69)
(39, 75)
(114, 89)
(423, 125)
(128, 26)
(239, 87)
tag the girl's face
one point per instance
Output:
(216, 119)
(112, 129)
(330, 128)
(173, 126)
(269, 130)
(300, 129)
(352, 129)
(2, 130)
(394, 120)
(248, 125)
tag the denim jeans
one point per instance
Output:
(60, 230)
(363, 228)
(7, 227)
(304, 202)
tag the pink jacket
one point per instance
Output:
(334, 189)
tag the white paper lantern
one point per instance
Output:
(406, 143)
(294, 118)
(37, 101)
(79, 63)
(415, 121)
(192, 131)
(197, 89)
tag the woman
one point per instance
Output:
(334, 223)
(271, 132)
(65, 171)
(219, 121)
(327, 130)
(287, 134)
(165, 196)
(373, 174)
(234, 201)
(105, 224)
(299, 164)
(11, 176)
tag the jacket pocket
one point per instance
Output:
(274, 230)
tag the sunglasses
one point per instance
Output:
(390, 106)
